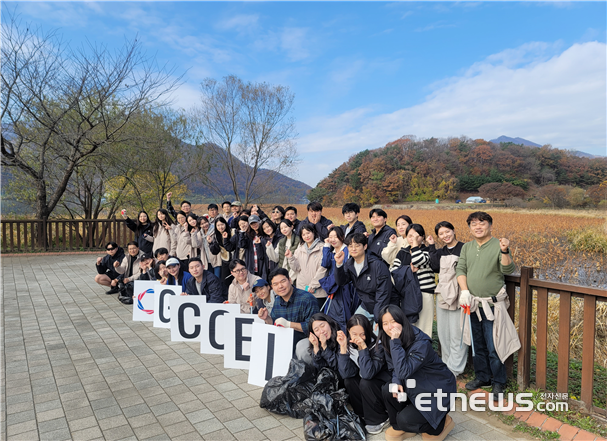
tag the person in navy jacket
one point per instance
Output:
(203, 283)
(416, 368)
(362, 365)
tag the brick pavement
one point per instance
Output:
(75, 366)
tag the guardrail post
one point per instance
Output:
(524, 330)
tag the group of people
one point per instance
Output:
(333, 285)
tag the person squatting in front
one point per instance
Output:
(416, 369)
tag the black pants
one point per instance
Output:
(366, 397)
(404, 416)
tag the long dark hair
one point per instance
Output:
(188, 226)
(139, 224)
(171, 279)
(158, 223)
(407, 336)
(332, 342)
(361, 320)
(219, 234)
(272, 226)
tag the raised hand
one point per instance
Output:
(169, 194)
(359, 342)
(288, 254)
(314, 341)
(430, 240)
(329, 227)
(116, 264)
(246, 286)
(224, 234)
(342, 340)
(393, 238)
(504, 244)
(99, 259)
(256, 240)
(339, 257)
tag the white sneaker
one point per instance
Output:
(374, 430)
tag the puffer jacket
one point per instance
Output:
(308, 267)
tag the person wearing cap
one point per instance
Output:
(263, 296)
(177, 276)
(236, 208)
(242, 286)
(203, 283)
(292, 309)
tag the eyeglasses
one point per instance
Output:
(239, 271)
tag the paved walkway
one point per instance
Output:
(75, 366)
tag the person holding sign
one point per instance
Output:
(263, 296)
(416, 369)
(292, 309)
(241, 287)
(203, 283)
(362, 365)
(176, 276)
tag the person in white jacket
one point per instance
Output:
(397, 242)
(306, 262)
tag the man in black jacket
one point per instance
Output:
(106, 273)
(369, 274)
(351, 212)
(203, 283)
(380, 235)
(315, 217)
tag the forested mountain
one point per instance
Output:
(420, 170)
(267, 184)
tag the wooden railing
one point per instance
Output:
(62, 235)
(528, 286)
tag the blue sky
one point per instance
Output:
(367, 73)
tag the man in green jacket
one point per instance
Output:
(480, 273)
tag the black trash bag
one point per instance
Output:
(285, 395)
(327, 381)
(329, 419)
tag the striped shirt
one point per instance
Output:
(420, 258)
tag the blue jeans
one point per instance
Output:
(486, 361)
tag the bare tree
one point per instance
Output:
(253, 125)
(60, 107)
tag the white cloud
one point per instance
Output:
(294, 42)
(240, 23)
(527, 92)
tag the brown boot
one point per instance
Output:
(449, 425)
(397, 435)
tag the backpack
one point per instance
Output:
(407, 286)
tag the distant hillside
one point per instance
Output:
(282, 188)
(422, 170)
(514, 141)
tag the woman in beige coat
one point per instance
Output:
(163, 232)
(306, 262)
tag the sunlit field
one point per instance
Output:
(542, 240)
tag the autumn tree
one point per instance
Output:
(62, 106)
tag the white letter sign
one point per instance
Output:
(162, 313)
(213, 317)
(237, 333)
(268, 355)
(143, 303)
(186, 313)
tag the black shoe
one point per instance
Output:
(113, 290)
(498, 392)
(126, 300)
(476, 384)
